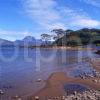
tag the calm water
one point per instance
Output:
(71, 88)
(20, 69)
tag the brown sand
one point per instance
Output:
(54, 85)
(74, 48)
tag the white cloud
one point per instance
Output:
(79, 18)
(86, 23)
(95, 3)
(12, 35)
(51, 26)
(43, 12)
(49, 15)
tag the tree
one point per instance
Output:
(59, 33)
(68, 31)
(45, 38)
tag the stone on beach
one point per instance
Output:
(39, 80)
(36, 97)
(91, 80)
(1, 92)
(87, 95)
(52, 91)
(16, 98)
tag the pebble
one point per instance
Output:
(39, 80)
(1, 92)
(36, 97)
(86, 95)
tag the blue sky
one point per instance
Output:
(19, 18)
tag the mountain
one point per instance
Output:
(29, 40)
(79, 37)
(4, 42)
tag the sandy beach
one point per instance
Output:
(54, 84)
(74, 48)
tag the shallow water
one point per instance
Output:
(72, 88)
(20, 68)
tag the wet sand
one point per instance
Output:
(72, 48)
(54, 85)
(75, 48)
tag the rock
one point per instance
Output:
(19, 99)
(86, 95)
(1, 92)
(36, 97)
(63, 97)
(98, 52)
(39, 80)
(96, 81)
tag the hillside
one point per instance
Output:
(27, 41)
(79, 37)
(4, 42)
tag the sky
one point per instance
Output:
(20, 18)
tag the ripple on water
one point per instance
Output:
(81, 68)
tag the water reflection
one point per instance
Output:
(19, 76)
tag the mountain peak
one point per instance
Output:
(29, 38)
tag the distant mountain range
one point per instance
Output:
(4, 42)
(30, 41)
(72, 38)
(27, 41)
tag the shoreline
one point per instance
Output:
(61, 47)
(95, 63)
(54, 84)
